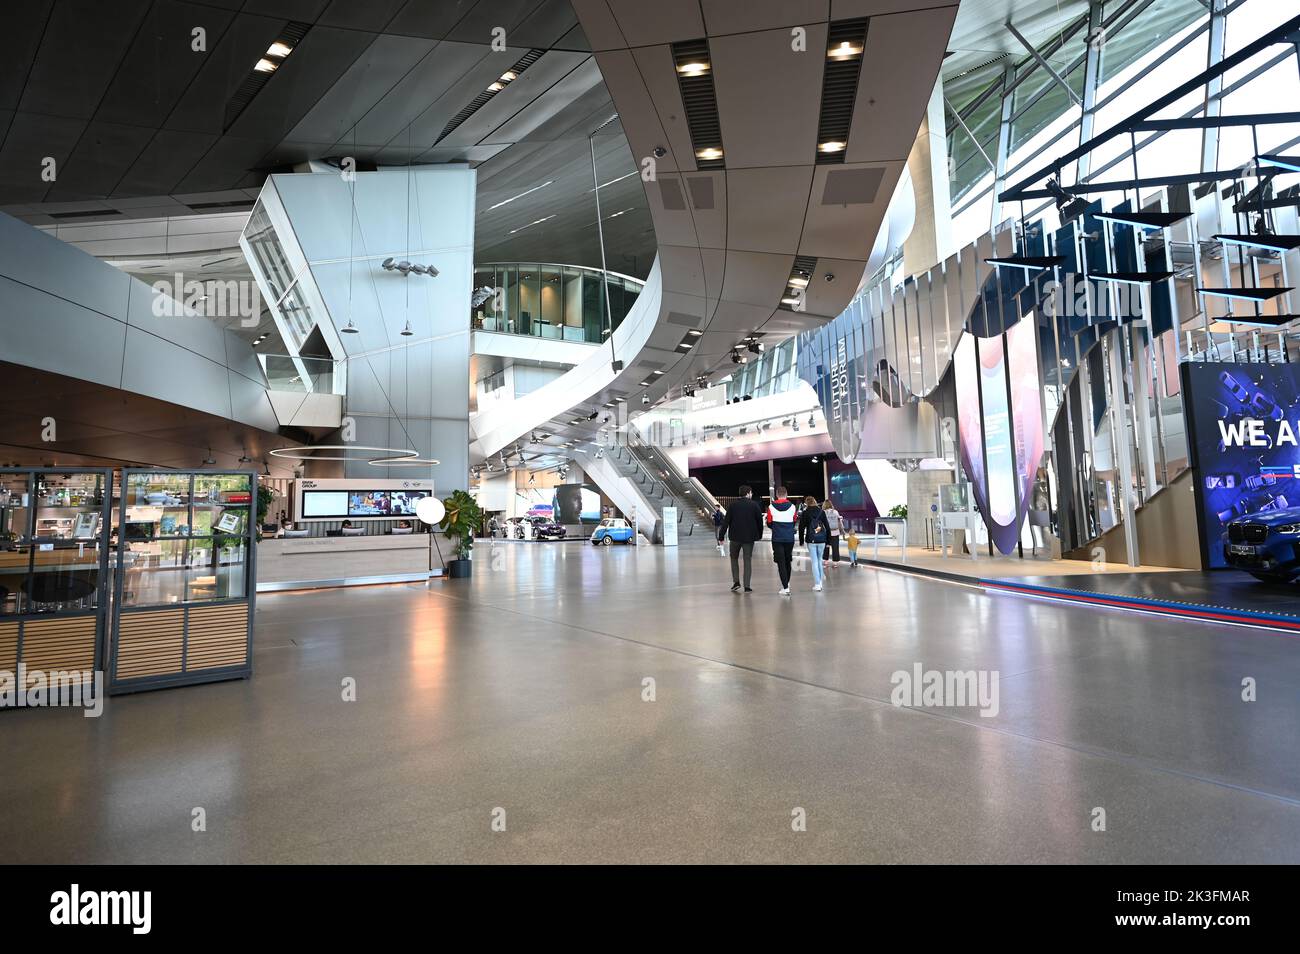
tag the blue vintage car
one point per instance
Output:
(610, 531)
(1266, 545)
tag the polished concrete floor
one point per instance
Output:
(522, 690)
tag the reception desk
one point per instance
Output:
(290, 563)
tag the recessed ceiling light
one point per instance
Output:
(279, 49)
(799, 282)
(266, 66)
(832, 146)
(658, 372)
(693, 69)
(509, 76)
(695, 332)
(708, 154)
(532, 223)
(519, 196)
(496, 87)
(789, 301)
(844, 51)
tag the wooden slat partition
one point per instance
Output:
(9, 647)
(150, 643)
(53, 645)
(217, 637)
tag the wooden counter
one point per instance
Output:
(290, 562)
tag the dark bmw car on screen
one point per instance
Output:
(1265, 545)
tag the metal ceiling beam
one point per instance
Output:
(1281, 34)
(1042, 62)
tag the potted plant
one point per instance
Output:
(458, 522)
(265, 496)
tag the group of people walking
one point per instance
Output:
(815, 525)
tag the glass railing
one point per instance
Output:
(303, 374)
(562, 302)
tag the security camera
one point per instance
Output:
(830, 277)
(645, 399)
(388, 263)
(660, 152)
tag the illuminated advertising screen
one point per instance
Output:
(1243, 422)
(1000, 425)
(339, 504)
(324, 503)
(384, 503)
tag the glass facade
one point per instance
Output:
(562, 302)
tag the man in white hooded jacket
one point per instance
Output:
(783, 518)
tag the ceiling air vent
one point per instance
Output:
(695, 80)
(87, 214)
(261, 73)
(845, 43)
(481, 100)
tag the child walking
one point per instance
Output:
(852, 540)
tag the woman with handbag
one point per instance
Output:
(815, 530)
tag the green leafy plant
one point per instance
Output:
(461, 518)
(898, 510)
(265, 495)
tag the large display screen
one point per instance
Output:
(1244, 427)
(1000, 441)
(337, 504)
(325, 503)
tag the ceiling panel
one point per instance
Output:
(19, 42)
(892, 90)
(769, 117)
(98, 35)
(161, 62)
(364, 89)
(320, 59)
(103, 155)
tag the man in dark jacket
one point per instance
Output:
(744, 523)
(781, 517)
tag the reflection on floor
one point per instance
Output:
(522, 695)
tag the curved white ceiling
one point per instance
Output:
(728, 237)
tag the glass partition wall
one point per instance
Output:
(183, 609)
(54, 565)
(563, 302)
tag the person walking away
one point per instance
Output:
(717, 518)
(814, 530)
(852, 540)
(833, 521)
(743, 523)
(781, 514)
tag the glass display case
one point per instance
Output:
(54, 567)
(183, 599)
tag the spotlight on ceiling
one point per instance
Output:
(812, 421)
(406, 331)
